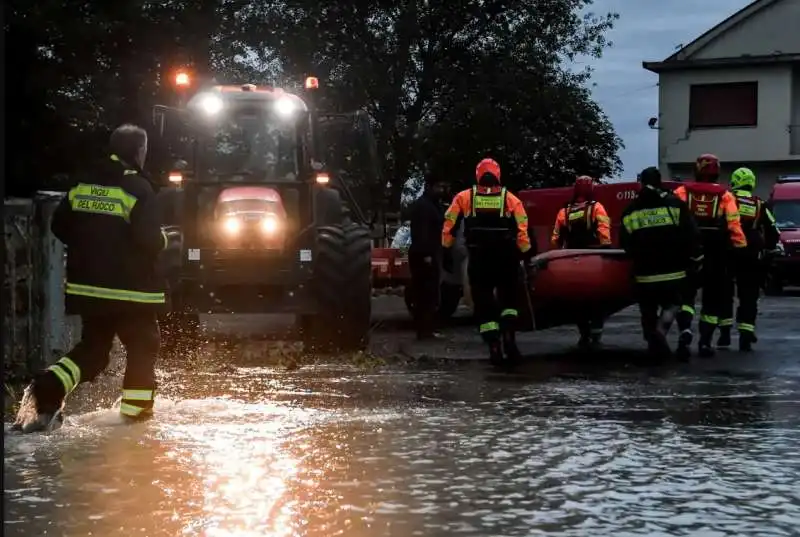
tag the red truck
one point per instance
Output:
(785, 269)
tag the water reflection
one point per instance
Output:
(335, 452)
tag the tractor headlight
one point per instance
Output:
(210, 104)
(232, 225)
(270, 225)
(285, 106)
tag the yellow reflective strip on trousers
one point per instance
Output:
(138, 395)
(114, 294)
(688, 309)
(72, 367)
(64, 377)
(709, 319)
(509, 312)
(655, 278)
(725, 322)
(746, 327)
(130, 410)
(489, 327)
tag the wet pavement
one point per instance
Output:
(567, 445)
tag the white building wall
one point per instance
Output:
(769, 141)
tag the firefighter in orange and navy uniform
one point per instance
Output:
(583, 223)
(113, 234)
(717, 216)
(762, 235)
(496, 233)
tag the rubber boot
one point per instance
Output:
(42, 406)
(724, 339)
(684, 350)
(596, 337)
(746, 340)
(496, 353)
(704, 347)
(510, 348)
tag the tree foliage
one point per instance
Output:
(444, 83)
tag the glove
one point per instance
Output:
(447, 260)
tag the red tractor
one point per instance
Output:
(264, 221)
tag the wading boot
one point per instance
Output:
(512, 354)
(496, 353)
(684, 352)
(42, 406)
(705, 349)
(746, 340)
(724, 339)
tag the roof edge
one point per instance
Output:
(715, 31)
(712, 63)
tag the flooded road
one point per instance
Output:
(562, 447)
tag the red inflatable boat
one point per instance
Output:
(567, 284)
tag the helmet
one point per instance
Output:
(706, 168)
(743, 179)
(487, 167)
(584, 186)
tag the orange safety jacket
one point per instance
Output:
(582, 225)
(491, 214)
(715, 210)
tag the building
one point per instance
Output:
(735, 92)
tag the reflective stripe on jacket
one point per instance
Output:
(491, 214)
(660, 236)
(111, 227)
(582, 225)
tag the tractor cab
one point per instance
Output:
(258, 212)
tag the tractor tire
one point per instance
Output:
(180, 333)
(342, 288)
(328, 208)
(449, 299)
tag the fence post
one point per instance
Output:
(51, 278)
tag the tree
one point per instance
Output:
(445, 82)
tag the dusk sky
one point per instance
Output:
(648, 30)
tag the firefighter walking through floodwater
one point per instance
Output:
(663, 241)
(717, 216)
(113, 236)
(584, 223)
(496, 233)
(747, 272)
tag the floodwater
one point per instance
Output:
(464, 452)
(448, 450)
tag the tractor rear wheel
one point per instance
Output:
(342, 288)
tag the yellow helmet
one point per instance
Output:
(743, 179)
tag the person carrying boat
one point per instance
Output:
(717, 215)
(664, 244)
(747, 273)
(113, 235)
(583, 223)
(496, 234)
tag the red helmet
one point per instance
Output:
(584, 186)
(487, 167)
(707, 168)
